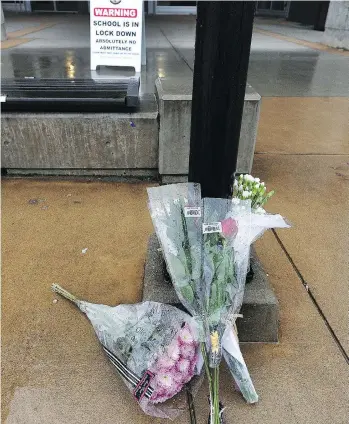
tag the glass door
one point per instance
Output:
(272, 8)
(58, 6)
(175, 8)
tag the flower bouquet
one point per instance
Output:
(246, 187)
(206, 245)
(154, 347)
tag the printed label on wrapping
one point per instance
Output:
(191, 211)
(213, 227)
(143, 385)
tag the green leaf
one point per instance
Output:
(187, 293)
(177, 268)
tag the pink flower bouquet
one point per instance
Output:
(154, 347)
(176, 366)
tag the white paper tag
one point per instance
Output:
(192, 211)
(213, 227)
(2, 99)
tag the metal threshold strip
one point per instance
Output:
(64, 95)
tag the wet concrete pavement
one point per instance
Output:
(54, 48)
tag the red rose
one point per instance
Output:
(229, 227)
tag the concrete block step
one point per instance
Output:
(82, 141)
(260, 307)
(174, 99)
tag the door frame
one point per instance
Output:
(154, 8)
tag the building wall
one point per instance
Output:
(309, 13)
(337, 25)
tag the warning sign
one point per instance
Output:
(116, 33)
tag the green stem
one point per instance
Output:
(213, 385)
(207, 368)
(60, 290)
(215, 395)
(213, 400)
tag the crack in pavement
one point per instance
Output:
(312, 297)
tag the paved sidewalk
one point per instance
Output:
(53, 368)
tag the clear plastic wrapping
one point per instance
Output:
(225, 261)
(176, 211)
(154, 347)
(205, 243)
(157, 344)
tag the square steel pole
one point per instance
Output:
(222, 50)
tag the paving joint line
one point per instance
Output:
(176, 50)
(301, 42)
(312, 297)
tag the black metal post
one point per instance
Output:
(222, 50)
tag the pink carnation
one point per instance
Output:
(173, 351)
(159, 398)
(185, 335)
(163, 395)
(183, 366)
(165, 363)
(188, 350)
(176, 367)
(166, 385)
(164, 379)
(177, 376)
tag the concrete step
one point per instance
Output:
(150, 141)
(82, 143)
(260, 307)
(174, 99)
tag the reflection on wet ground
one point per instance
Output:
(277, 67)
(75, 63)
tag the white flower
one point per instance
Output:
(257, 185)
(257, 180)
(260, 211)
(241, 188)
(248, 177)
(263, 184)
(246, 194)
(236, 183)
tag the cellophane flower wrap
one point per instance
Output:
(153, 346)
(176, 213)
(226, 235)
(247, 187)
(205, 243)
